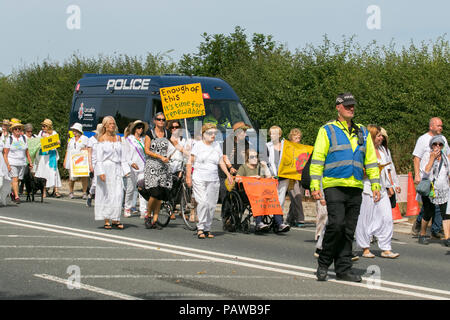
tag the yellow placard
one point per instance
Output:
(79, 164)
(293, 159)
(184, 101)
(50, 143)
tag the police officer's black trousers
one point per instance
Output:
(343, 205)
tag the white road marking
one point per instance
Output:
(110, 293)
(104, 259)
(234, 260)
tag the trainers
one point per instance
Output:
(85, 196)
(322, 274)
(147, 222)
(283, 228)
(71, 196)
(127, 213)
(262, 227)
(423, 240)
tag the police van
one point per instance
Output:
(131, 97)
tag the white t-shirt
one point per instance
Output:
(17, 150)
(206, 161)
(423, 145)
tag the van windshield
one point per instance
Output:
(224, 113)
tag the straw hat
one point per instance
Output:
(77, 126)
(136, 123)
(14, 123)
(5, 122)
(48, 123)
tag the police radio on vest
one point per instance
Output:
(128, 84)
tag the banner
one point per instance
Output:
(34, 145)
(181, 102)
(262, 194)
(79, 164)
(293, 159)
(50, 143)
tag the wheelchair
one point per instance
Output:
(237, 212)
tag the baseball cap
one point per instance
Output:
(346, 99)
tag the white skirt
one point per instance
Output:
(109, 194)
(375, 219)
(43, 170)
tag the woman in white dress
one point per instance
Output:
(375, 218)
(92, 155)
(206, 156)
(47, 162)
(109, 191)
(134, 155)
(76, 144)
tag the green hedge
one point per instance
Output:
(399, 89)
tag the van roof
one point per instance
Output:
(215, 87)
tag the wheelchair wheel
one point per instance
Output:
(164, 214)
(232, 211)
(186, 206)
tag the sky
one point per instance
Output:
(32, 31)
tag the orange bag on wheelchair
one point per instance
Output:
(262, 194)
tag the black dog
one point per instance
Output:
(33, 184)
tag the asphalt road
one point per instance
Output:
(56, 250)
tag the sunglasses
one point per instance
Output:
(160, 119)
(175, 127)
(438, 144)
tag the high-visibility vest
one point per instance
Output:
(342, 161)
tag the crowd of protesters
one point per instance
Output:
(153, 158)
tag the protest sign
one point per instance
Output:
(293, 159)
(50, 143)
(262, 194)
(181, 102)
(79, 164)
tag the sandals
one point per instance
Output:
(118, 225)
(107, 226)
(204, 234)
(57, 195)
(390, 255)
(368, 255)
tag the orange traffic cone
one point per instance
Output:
(396, 214)
(412, 207)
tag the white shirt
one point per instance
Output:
(17, 150)
(206, 161)
(133, 152)
(423, 145)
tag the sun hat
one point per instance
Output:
(15, 123)
(133, 126)
(48, 123)
(5, 122)
(77, 126)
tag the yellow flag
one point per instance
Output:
(293, 159)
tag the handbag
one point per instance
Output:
(393, 200)
(425, 187)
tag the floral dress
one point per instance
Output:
(158, 179)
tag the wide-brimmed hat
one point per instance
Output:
(5, 122)
(241, 125)
(77, 126)
(136, 123)
(15, 125)
(48, 123)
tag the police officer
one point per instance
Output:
(216, 118)
(343, 154)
